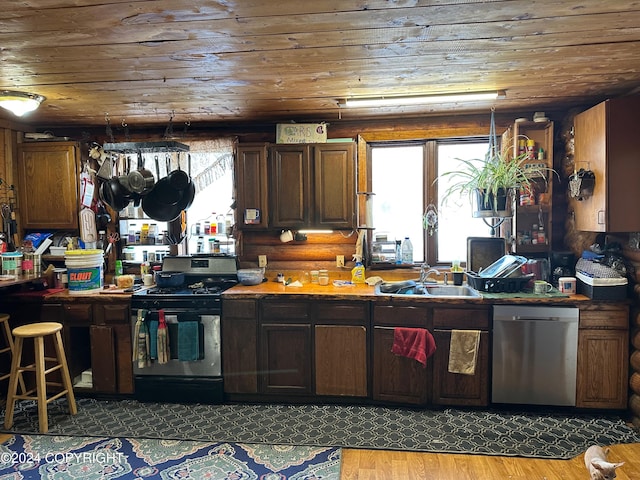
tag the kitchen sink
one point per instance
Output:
(422, 290)
(451, 291)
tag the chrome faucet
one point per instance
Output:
(425, 271)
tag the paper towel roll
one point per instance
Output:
(368, 211)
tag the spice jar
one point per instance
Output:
(323, 277)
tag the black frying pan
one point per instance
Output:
(165, 203)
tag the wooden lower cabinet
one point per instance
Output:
(398, 379)
(97, 336)
(340, 344)
(456, 388)
(285, 347)
(603, 357)
(240, 345)
(285, 360)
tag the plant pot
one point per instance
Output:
(488, 206)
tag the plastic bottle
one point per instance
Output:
(407, 251)
(358, 273)
(398, 252)
(228, 223)
(220, 224)
(118, 270)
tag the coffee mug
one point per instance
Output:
(540, 287)
(286, 236)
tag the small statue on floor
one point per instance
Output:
(595, 458)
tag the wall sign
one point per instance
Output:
(301, 133)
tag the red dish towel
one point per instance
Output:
(416, 343)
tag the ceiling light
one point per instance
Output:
(421, 99)
(19, 103)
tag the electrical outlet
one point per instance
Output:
(262, 260)
(340, 261)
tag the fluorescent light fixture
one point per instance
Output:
(315, 231)
(19, 103)
(421, 99)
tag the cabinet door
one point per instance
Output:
(290, 186)
(605, 142)
(334, 194)
(251, 178)
(103, 361)
(240, 346)
(48, 186)
(603, 357)
(396, 379)
(341, 360)
(458, 389)
(286, 358)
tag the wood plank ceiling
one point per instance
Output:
(221, 61)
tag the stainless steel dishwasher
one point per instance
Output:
(535, 352)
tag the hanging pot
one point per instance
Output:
(164, 203)
(141, 181)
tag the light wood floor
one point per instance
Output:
(399, 465)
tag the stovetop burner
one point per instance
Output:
(200, 290)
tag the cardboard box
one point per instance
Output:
(602, 288)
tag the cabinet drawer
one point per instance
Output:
(341, 311)
(78, 314)
(280, 310)
(607, 318)
(401, 316)
(111, 314)
(461, 318)
(239, 308)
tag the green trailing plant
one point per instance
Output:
(498, 174)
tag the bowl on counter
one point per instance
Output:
(57, 251)
(251, 276)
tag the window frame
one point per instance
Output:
(429, 175)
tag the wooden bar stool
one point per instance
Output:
(9, 348)
(38, 331)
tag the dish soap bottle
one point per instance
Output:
(358, 273)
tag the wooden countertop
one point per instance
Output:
(20, 280)
(365, 292)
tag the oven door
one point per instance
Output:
(194, 344)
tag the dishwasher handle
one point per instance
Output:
(519, 318)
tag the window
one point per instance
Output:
(212, 173)
(403, 178)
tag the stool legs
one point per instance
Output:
(13, 383)
(4, 319)
(66, 378)
(41, 384)
(39, 367)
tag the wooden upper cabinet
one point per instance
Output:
(48, 185)
(334, 174)
(290, 186)
(606, 143)
(251, 177)
(312, 186)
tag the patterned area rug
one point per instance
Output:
(92, 458)
(522, 433)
